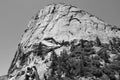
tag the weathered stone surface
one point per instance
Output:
(55, 30)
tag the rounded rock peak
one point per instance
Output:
(66, 23)
(53, 30)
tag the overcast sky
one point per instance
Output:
(15, 15)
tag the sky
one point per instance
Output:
(15, 15)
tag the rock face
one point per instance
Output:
(63, 42)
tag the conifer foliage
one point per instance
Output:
(81, 62)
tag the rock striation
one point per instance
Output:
(63, 42)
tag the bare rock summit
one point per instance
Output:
(63, 42)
